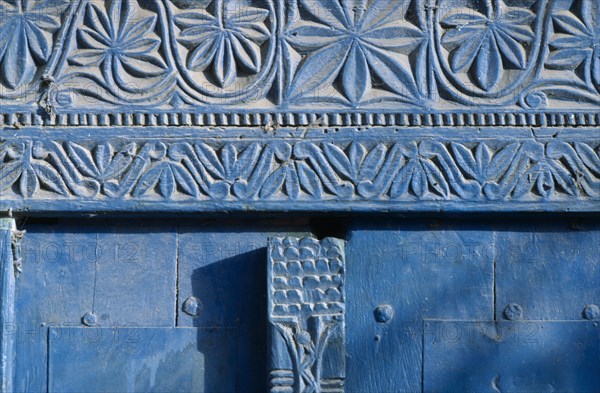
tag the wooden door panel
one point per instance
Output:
(511, 357)
(94, 360)
(116, 275)
(551, 270)
(399, 274)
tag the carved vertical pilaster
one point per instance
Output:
(306, 315)
(10, 266)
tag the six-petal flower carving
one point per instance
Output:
(579, 41)
(25, 26)
(355, 43)
(486, 44)
(119, 43)
(229, 41)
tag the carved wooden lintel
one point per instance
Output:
(296, 169)
(306, 315)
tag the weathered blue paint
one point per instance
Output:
(8, 273)
(301, 169)
(552, 269)
(313, 107)
(306, 315)
(420, 270)
(142, 359)
(126, 276)
(502, 356)
(224, 268)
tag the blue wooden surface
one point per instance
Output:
(177, 107)
(141, 360)
(404, 273)
(422, 270)
(126, 276)
(399, 274)
(275, 61)
(318, 169)
(523, 357)
(225, 269)
(551, 270)
(7, 304)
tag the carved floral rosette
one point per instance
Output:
(306, 313)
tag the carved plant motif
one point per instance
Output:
(306, 300)
(102, 163)
(26, 27)
(486, 44)
(578, 41)
(119, 43)
(304, 171)
(227, 42)
(28, 172)
(354, 43)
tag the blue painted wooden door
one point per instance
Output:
(430, 305)
(117, 307)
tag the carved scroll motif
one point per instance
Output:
(306, 315)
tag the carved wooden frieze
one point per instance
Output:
(320, 105)
(298, 58)
(301, 169)
(306, 315)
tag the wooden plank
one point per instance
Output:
(7, 302)
(399, 274)
(141, 360)
(550, 269)
(224, 269)
(524, 357)
(123, 276)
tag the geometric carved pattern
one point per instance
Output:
(306, 313)
(345, 169)
(251, 57)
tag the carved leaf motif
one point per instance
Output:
(274, 183)
(588, 156)
(30, 173)
(373, 163)
(338, 159)
(483, 44)
(435, 178)
(9, 174)
(230, 42)
(576, 41)
(210, 160)
(167, 176)
(49, 177)
(522, 169)
(309, 180)
(353, 46)
(120, 43)
(474, 166)
(103, 164)
(501, 161)
(26, 28)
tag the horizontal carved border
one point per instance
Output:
(300, 169)
(312, 119)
